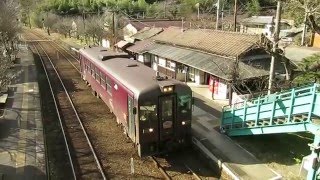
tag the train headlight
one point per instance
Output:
(167, 88)
(150, 129)
(185, 122)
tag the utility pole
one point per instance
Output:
(274, 45)
(165, 8)
(113, 25)
(235, 15)
(218, 14)
(222, 14)
(113, 29)
(198, 9)
(304, 25)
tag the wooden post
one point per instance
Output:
(235, 16)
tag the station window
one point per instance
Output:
(109, 86)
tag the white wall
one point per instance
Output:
(199, 77)
(128, 31)
(140, 58)
(162, 62)
(105, 43)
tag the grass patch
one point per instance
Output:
(286, 149)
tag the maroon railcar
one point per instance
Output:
(154, 111)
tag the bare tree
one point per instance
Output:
(9, 30)
(64, 27)
(95, 27)
(6, 74)
(10, 27)
(49, 21)
(313, 25)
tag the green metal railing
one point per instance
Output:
(290, 111)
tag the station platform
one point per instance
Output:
(236, 161)
(22, 150)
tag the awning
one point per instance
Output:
(141, 46)
(221, 67)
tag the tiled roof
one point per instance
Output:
(140, 24)
(141, 46)
(221, 67)
(146, 33)
(216, 42)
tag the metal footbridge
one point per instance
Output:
(296, 110)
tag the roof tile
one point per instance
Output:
(216, 42)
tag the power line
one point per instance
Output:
(137, 20)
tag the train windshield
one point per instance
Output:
(148, 112)
(184, 103)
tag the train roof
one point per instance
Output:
(135, 76)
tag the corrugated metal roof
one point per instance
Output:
(122, 44)
(215, 42)
(147, 33)
(262, 20)
(258, 20)
(221, 67)
(163, 23)
(141, 46)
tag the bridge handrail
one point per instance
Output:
(299, 91)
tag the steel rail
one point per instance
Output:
(57, 110)
(163, 172)
(193, 173)
(166, 175)
(64, 49)
(51, 41)
(77, 115)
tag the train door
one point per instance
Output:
(131, 122)
(166, 116)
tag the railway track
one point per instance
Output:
(61, 51)
(82, 157)
(185, 172)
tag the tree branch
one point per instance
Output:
(313, 24)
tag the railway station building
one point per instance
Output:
(216, 59)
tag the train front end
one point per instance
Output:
(165, 122)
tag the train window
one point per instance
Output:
(91, 69)
(103, 80)
(167, 108)
(185, 103)
(109, 86)
(148, 112)
(98, 75)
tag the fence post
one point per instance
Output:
(291, 105)
(258, 112)
(132, 165)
